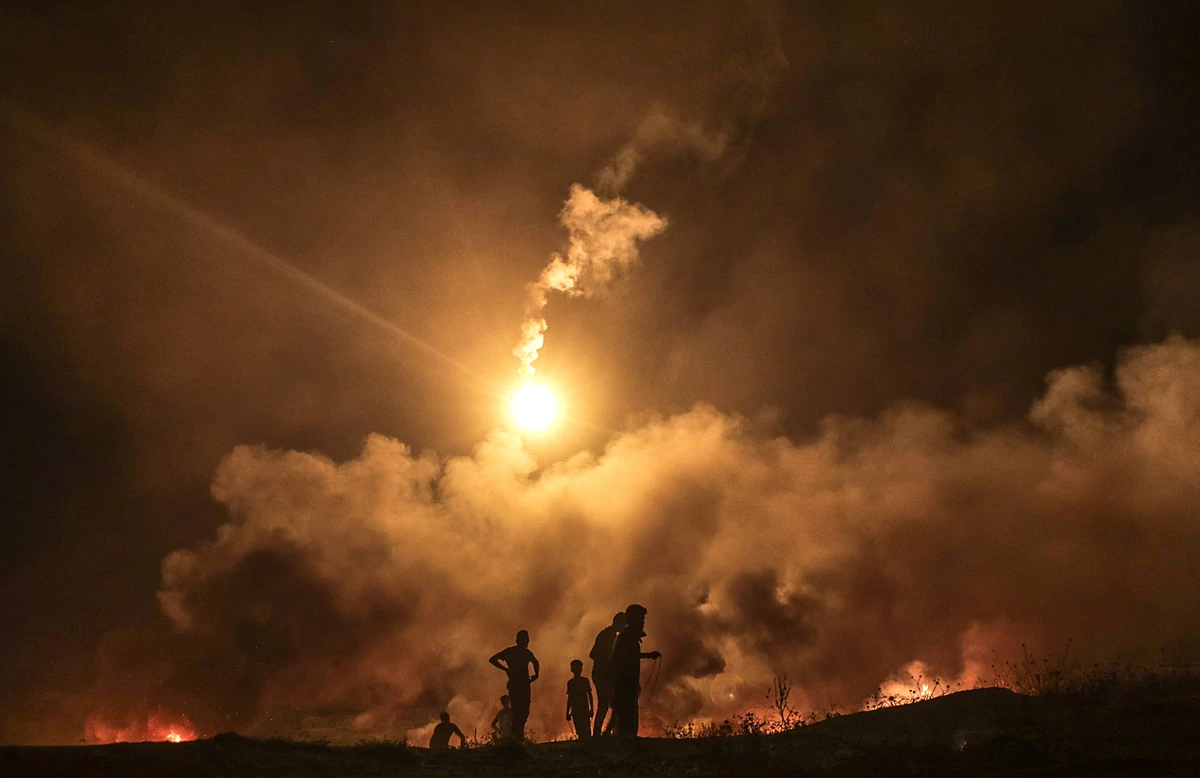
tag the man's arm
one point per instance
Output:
(537, 669)
(495, 660)
(462, 739)
(651, 655)
(591, 703)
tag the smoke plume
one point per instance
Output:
(659, 130)
(603, 242)
(377, 587)
(604, 233)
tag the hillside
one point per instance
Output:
(985, 732)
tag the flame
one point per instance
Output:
(156, 728)
(913, 683)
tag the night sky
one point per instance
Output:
(907, 375)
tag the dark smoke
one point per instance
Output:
(928, 202)
(382, 584)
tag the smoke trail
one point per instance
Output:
(602, 243)
(604, 233)
(659, 130)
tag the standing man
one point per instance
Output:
(602, 669)
(627, 670)
(515, 660)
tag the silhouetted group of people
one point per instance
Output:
(616, 675)
(617, 670)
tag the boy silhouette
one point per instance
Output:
(443, 731)
(503, 721)
(579, 701)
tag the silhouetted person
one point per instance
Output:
(579, 701)
(515, 661)
(627, 671)
(503, 721)
(602, 668)
(443, 731)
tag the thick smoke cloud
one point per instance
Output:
(379, 586)
(934, 203)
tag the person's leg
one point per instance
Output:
(520, 704)
(603, 699)
(520, 716)
(583, 727)
(625, 713)
(618, 715)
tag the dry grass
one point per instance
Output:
(1068, 719)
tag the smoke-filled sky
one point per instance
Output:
(880, 345)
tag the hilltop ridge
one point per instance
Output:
(984, 732)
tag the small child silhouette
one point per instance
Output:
(503, 721)
(579, 701)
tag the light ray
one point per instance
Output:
(97, 163)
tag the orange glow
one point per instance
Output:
(534, 407)
(912, 684)
(157, 728)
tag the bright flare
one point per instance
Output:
(534, 407)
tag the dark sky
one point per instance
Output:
(931, 203)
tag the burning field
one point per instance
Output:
(1118, 729)
(371, 588)
(857, 343)
(157, 728)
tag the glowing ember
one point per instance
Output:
(156, 728)
(911, 684)
(534, 407)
